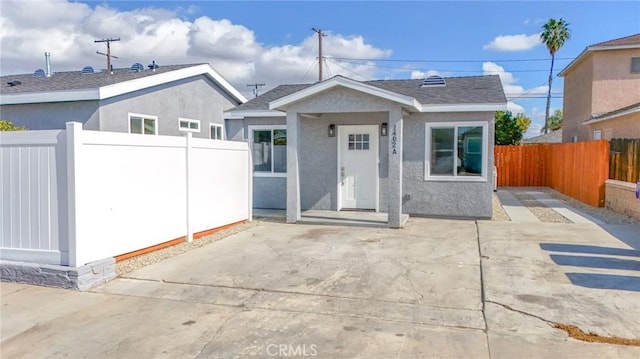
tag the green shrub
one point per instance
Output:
(9, 126)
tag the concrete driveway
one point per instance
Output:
(438, 288)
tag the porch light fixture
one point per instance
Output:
(384, 129)
(332, 130)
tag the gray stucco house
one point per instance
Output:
(421, 147)
(166, 100)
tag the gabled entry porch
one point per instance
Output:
(344, 149)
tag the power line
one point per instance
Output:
(256, 88)
(348, 69)
(476, 61)
(442, 70)
(308, 71)
(108, 41)
(327, 65)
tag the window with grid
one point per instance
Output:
(358, 142)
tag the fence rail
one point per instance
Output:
(577, 169)
(624, 159)
(73, 197)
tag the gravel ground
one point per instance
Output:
(131, 264)
(499, 214)
(544, 213)
(605, 215)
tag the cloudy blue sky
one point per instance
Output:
(272, 41)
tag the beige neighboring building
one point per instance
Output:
(602, 92)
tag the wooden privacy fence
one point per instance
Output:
(624, 160)
(578, 170)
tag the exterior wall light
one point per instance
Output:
(332, 130)
(384, 129)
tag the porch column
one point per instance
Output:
(394, 197)
(293, 176)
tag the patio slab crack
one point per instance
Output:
(574, 331)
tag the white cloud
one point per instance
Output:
(69, 30)
(417, 74)
(520, 42)
(511, 89)
(514, 107)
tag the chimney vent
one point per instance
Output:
(47, 58)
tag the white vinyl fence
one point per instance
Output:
(73, 197)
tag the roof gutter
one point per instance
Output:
(239, 115)
(49, 97)
(124, 87)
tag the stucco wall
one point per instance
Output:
(620, 197)
(623, 127)
(270, 192)
(318, 160)
(195, 98)
(577, 101)
(318, 156)
(614, 86)
(600, 83)
(436, 198)
(52, 116)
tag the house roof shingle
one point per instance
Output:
(551, 137)
(262, 102)
(627, 40)
(74, 80)
(458, 90)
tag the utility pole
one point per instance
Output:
(255, 86)
(321, 34)
(108, 54)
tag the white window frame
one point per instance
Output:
(147, 117)
(189, 122)
(272, 128)
(597, 134)
(216, 125)
(455, 178)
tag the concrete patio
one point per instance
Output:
(437, 288)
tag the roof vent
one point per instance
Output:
(14, 83)
(39, 73)
(433, 81)
(137, 67)
(153, 66)
(87, 70)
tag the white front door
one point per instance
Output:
(358, 167)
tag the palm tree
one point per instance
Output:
(554, 34)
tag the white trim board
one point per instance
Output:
(589, 49)
(124, 87)
(239, 115)
(612, 116)
(348, 83)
